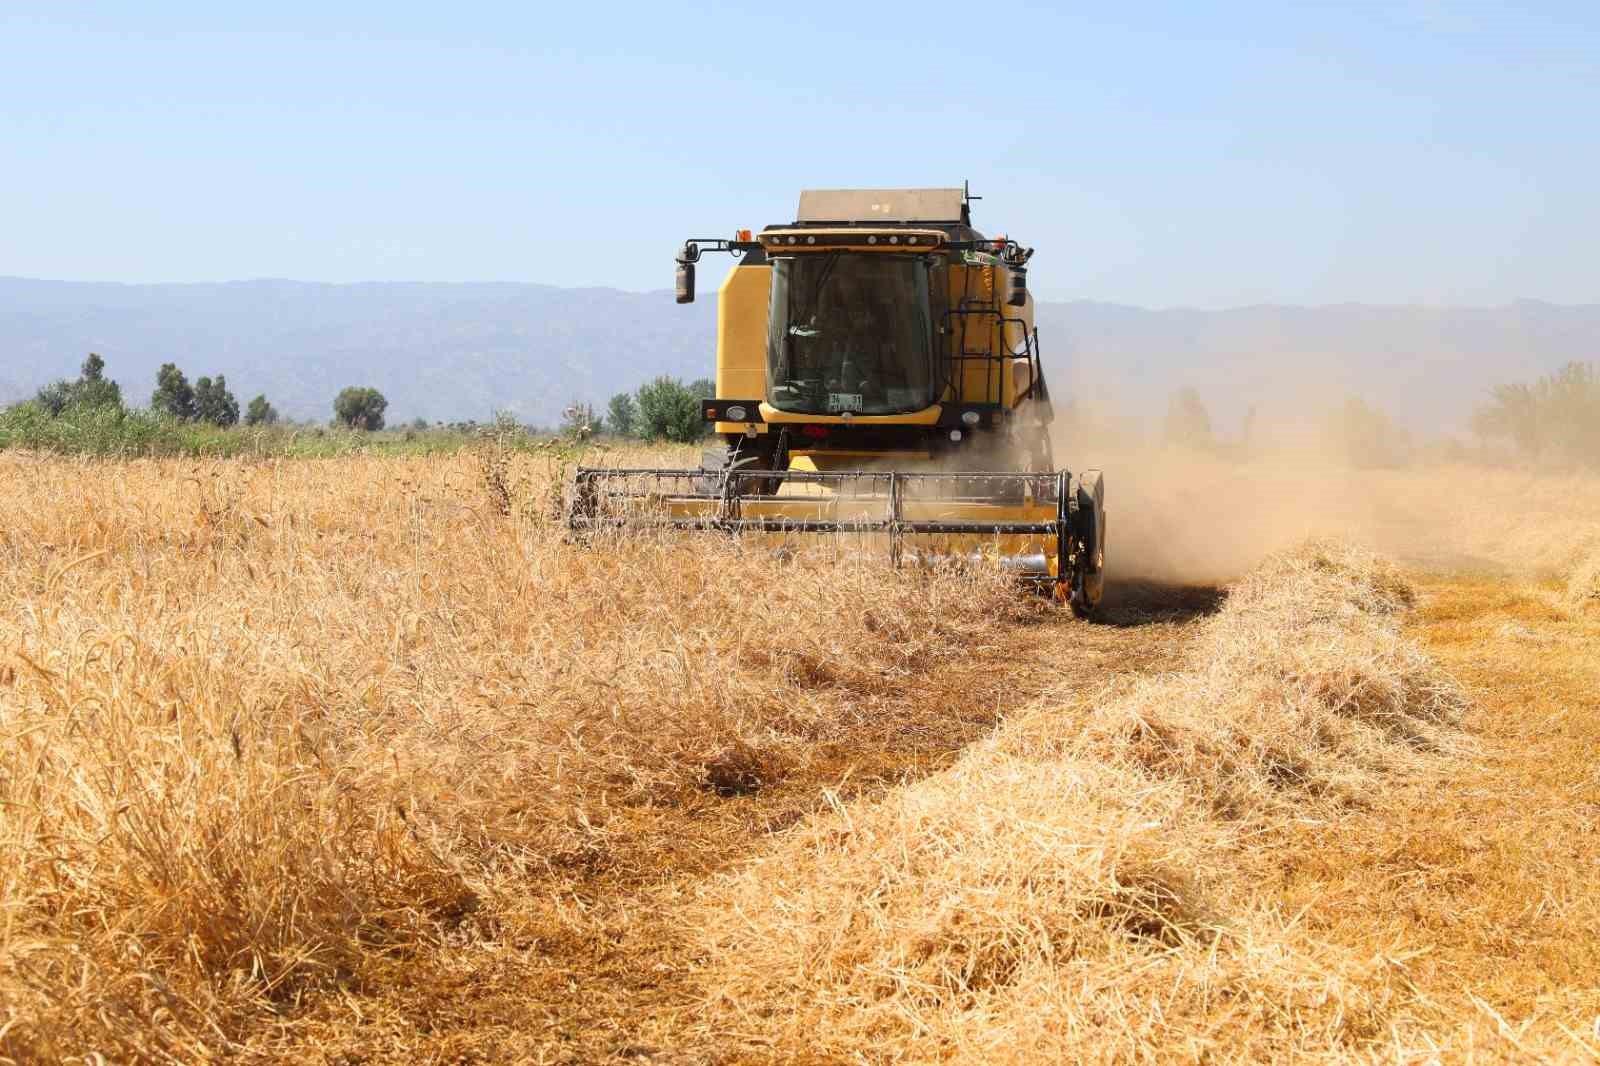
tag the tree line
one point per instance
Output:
(1556, 418)
(208, 400)
(662, 409)
(1552, 420)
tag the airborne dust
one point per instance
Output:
(1210, 513)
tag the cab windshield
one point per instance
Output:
(849, 332)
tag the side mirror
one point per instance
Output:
(685, 282)
(1017, 287)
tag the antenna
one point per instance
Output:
(966, 201)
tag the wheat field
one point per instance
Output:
(359, 760)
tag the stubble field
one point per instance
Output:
(357, 760)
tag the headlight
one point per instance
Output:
(734, 412)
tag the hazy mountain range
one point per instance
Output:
(458, 351)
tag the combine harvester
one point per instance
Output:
(878, 376)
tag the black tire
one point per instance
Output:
(1089, 578)
(719, 461)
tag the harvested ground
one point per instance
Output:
(1477, 883)
(357, 761)
(1583, 584)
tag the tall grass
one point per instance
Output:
(268, 728)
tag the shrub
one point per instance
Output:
(92, 389)
(669, 410)
(260, 413)
(360, 407)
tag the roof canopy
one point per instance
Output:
(880, 205)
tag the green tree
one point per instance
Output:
(92, 389)
(360, 407)
(55, 397)
(173, 394)
(669, 410)
(1188, 424)
(701, 389)
(260, 412)
(214, 403)
(621, 414)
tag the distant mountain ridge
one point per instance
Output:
(448, 351)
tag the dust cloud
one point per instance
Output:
(1188, 515)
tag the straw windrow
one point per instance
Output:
(1583, 583)
(1070, 890)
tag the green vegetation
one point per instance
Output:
(214, 403)
(360, 408)
(207, 400)
(621, 414)
(174, 395)
(88, 417)
(667, 409)
(260, 413)
(662, 409)
(92, 389)
(130, 432)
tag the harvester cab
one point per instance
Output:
(878, 374)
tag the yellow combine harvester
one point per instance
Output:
(878, 375)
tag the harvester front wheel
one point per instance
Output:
(1089, 521)
(719, 462)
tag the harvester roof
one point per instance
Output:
(855, 206)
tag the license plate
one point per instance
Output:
(844, 401)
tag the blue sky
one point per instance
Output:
(1164, 155)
